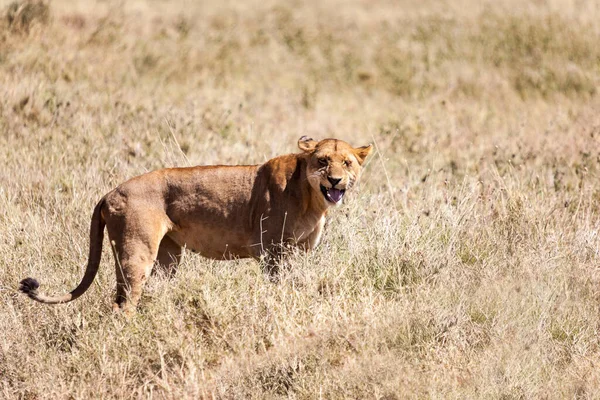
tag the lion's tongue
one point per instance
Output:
(335, 194)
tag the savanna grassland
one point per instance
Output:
(466, 266)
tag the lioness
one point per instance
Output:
(221, 212)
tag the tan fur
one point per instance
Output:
(221, 212)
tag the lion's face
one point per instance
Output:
(333, 166)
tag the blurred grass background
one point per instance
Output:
(465, 267)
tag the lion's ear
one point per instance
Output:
(362, 153)
(307, 144)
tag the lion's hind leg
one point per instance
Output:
(135, 240)
(169, 256)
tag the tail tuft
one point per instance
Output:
(29, 286)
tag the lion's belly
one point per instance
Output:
(219, 244)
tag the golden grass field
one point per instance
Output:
(466, 266)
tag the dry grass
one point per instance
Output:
(466, 267)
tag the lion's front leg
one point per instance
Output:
(313, 239)
(269, 245)
(272, 259)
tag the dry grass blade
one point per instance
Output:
(22, 15)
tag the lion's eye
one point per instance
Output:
(322, 161)
(347, 163)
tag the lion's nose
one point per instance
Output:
(333, 181)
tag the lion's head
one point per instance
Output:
(333, 166)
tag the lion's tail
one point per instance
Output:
(30, 286)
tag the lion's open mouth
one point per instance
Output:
(332, 195)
